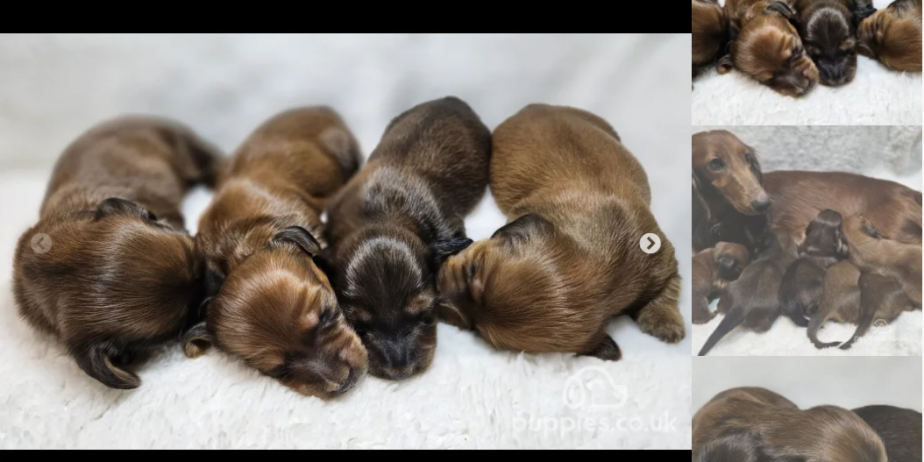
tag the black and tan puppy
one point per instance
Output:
(872, 252)
(829, 36)
(109, 268)
(395, 222)
(900, 430)
(753, 300)
(713, 269)
(841, 302)
(882, 299)
(271, 304)
(766, 46)
(570, 258)
(893, 36)
(752, 424)
(710, 33)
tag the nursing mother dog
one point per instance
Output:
(570, 259)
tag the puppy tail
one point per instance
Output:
(97, 362)
(814, 324)
(734, 317)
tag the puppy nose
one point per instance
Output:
(727, 263)
(761, 205)
(398, 374)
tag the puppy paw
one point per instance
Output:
(607, 350)
(666, 330)
(196, 341)
(661, 317)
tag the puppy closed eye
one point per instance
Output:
(328, 317)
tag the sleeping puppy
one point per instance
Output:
(753, 300)
(569, 259)
(802, 289)
(841, 302)
(893, 36)
(828, 33)
(713, 269)
(271, 305)
(109, 268)
(882, 299)
(766, 46)
(394, 223)
(871, 252)
(709, 33)
(900, 430)
(755, 424)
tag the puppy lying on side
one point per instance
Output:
(893, 36)
(760, 425)
(882, 299)
(802, 289)
(841, 302)
(712, 270)
(753, 300)
(829, 35)
(115, 273)
(900, 430)
(709, 33)
(569, 259)
(766, 46)
(872, 252)
(271, 304)
(395, 222)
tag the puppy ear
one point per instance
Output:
(97, 363)
(323, 261)
(196, 340)
(118, 206)
(522, 228)
(298, 236)
(782, 8)
(443, 249)
(725, 64)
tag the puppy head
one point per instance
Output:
(732, 258)
(709, 28)
(106, 281)
(858, 232)
(823, 237)
(893, 36)
(768, 49)
(278, 312)
(725, 170)
(829, 38)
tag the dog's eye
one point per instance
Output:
(716, 164)
(150, 216)
(327, 317)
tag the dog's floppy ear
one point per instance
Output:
(118, 206)
(298, 236)
(196, 340)
(445, 248)
(323, 261)
(522, 228)
(96, 361)
(782, 8)
(862, 10)
(725, 64)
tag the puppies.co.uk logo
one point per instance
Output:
(593, 388)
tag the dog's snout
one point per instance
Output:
(347, 384)
(761, 205)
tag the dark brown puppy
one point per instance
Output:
(841, 302)
(900, 430)
(872, 252)
(395, 222)
(829, 35)
(272, 306)
(882, 299)
(764, 426)
(753, 300)
(893, 36)
(802, 289)
(115, 273)
(766, 46)
(709, 33)
(713, 269)
(569, 259)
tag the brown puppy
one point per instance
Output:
(753, 300)
(550, 280)
(709, 33)
(893, 36)
(766, 46)
(882, 299)
(872, 252)
(900, 430)
(108, 268)
(841, 302)
(713, 269)
(395, 222)
(759, 425)
(272, 306)
(828, 33)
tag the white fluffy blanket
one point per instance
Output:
(877, 96)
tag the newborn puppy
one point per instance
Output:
(841, 301)
(872, 252)
(828, 33)
(109, 269)
(893, 36)
(900, 430)
(395, 222)
(763, 426)
(271, 305)
(753, 300)
(569, 259)
(712, 270)
(709, 33)
(766, 46)
(882, 299)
